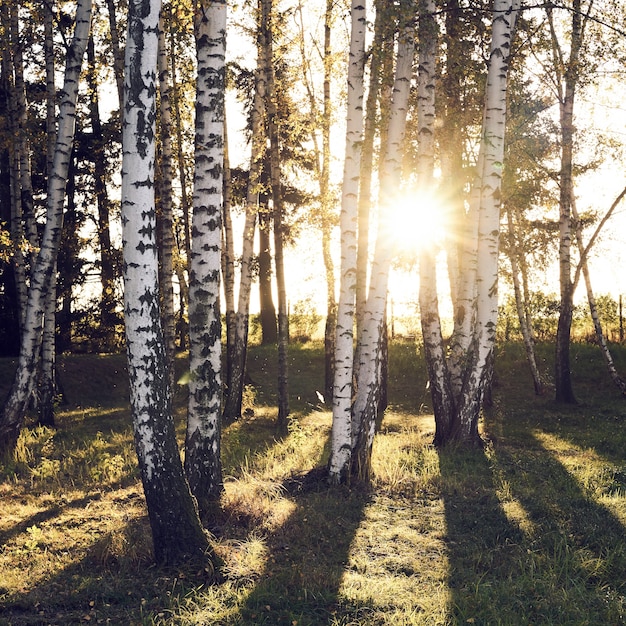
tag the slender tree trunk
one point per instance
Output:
(236, 362)
(228, 251)
(341, 437)
(46, 390)
(434, 349)
(451, 143)
(108, 317)
(277, 214)
(176, 530)
(23, 143)
(564, 391)
(527, 335)
(14, 409)
(165, 212)
(593, 309)
(202, 446)
(380, 48)
(456, 415)
(482, 346)
(184, 194)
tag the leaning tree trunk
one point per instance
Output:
(593, 309)
(202, 446)
(176, 530)
(341, 437)
(14, 409)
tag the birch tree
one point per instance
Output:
(457, 408)
(15, 406)
(369, 348)
(341, 437)
(165, 211)
(567, 75)
(176, 530)
(202, 445)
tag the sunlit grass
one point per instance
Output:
(530, 531)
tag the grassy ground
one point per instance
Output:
(529, 531)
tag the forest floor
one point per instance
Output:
(530, 530)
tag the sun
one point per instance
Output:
(416, 222)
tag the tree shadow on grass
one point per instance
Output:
(483, 545)
(576, 547)
(526, 544)
(307, 557)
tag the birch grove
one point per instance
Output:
(15, 406)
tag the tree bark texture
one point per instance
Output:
(202, 447)
(370, 341)
(341, 437)
(176, 530)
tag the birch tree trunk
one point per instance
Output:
(202, 446)
(176, 530)
(228, 250)
(480, 355)
(165, 210)
(46, 387)
(434, 350)
(520, 304)
(567, 77)
(277, 213)
(15, 406)
(457, 409)
(369, 350)
(341, 437)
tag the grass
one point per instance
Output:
(529, 531)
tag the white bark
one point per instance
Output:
(165, 214)
(341, 438)
(491, 162)
(202, 447)
(176, 530)
(369, 349)
(434, 349)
